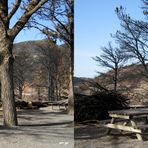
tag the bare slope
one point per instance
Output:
(132, 83)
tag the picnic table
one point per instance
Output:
(128, 121)
(59, 103)
(138, 106)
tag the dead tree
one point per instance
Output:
(61, 15)
(49, 61)
(21, 70)
(8, 34)
(113, 59)
(132, 38)
(54, 60)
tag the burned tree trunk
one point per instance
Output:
(50, 87)
(20, 92)
(7, 36)
(7, 91)
(71, 83)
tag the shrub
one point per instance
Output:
(96, 106)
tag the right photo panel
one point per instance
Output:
(111, 74)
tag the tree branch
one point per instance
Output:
(32, 7)
(3, 11)
(14, 9)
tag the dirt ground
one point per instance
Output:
(44, 128)
(93, 136)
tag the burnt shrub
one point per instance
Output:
(21, 104)
(96, 106)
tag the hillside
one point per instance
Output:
(29, 46)
(80, 80)
(40, 68)
(132, 82)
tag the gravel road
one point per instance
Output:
(44, 128)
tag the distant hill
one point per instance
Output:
(80, 80)
(31, 48)
(132, 82)
(32, 60)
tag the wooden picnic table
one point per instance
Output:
(129, 122)
(59, 103)
(138, 106)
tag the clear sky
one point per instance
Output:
(95, 20)
(25, 34)
(31, 34)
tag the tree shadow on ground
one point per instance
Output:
(35, 133)
(48, 124)
(89, 132)
(43, 128)
(40, 118)
(37, 111)
(36, 114)
(95, 132)
(96, 137)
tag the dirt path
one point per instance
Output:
(44, 128)
(94, 137)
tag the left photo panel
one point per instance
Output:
(36, 73)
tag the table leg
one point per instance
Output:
(146, 120)
(125, 123)
(139, 137)
(109, 130)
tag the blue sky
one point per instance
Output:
(26, 35)
(95, 20)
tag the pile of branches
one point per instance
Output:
(97, 105)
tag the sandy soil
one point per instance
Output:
(93, 136)
(44, 128)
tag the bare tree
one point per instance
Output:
(8, 34)
(145, 7)
(49, 60)
(65, 31)
(132, 38)
(21, 70)
(39, 79)
(55, 61)
(112, 58)
(61, 15)
(62, 78)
